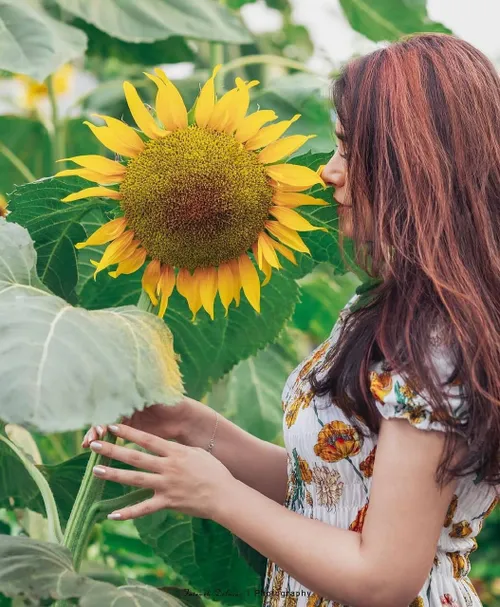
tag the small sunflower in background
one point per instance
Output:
(198, 193)
(34, 92)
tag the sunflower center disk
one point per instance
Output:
(196, 198)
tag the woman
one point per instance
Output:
(392, 426)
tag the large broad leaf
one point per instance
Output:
(389, 19)
(42, 570)
(204, 553)
(251, 394)
(76, 367)
(55, 228)
(151, 20)
(302, 94)
(208, 349)
(34, 43)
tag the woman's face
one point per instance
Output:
(335, 174)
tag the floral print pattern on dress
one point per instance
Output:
(359, 521)
(336, 441)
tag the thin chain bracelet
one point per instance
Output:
(212, 440)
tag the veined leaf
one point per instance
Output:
(33, 43)
(34, 570)
(389, 19)
(151, 20)
(66, 367)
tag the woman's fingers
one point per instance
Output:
(129, 477)
(94, 433)
(144, 439)
(135, 458)
(141, 509)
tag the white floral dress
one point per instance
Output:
(329, 478)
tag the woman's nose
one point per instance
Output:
(334, 173)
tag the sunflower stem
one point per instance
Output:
(144, 302)
(58, 131)
(82, 517)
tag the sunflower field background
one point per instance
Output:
(118, 335)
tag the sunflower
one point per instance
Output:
(198, 192)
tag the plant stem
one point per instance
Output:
(17, 162)
(57, 136)
(217, 58)
(78, 528)
(55, 532)
(267, 59)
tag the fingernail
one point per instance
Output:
(99, 470)
(100, 431)
(96, 445)
(113, 428)
(114, 515)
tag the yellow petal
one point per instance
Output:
(207, 280)
(294, 175)
(258, 254)
(99, 164)
(249, 281)
(235, 269)
(284, 187)
(91, 192)
(113, 138)
(150, 280)
(268, 134)
(90, 175)
(225, 285)
(165, 287)
(230, 110)
(265, 244)
(252, 124)
(293, 199)
(170, 106)
(131, 264)
(109, 231)
(268, 272)
(292, 219)
(116, 251)
(285, 252)
(140, 113)
(206, 100)
(287, 236)
(188, 287)
(283, 147)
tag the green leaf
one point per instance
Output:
(301, 94)
(173, 50)
(208, 349)
(251, 395)
(204, 553)
(55, 228)
(34, 43)
(29, 141)
(389, 19)
(43, 570)
(17, 487)
(151, 20)
(130, 595)
(321, 299)
(114, 361)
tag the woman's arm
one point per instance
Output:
(255, 462)
(386, 564)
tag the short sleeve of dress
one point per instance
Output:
(395, 398)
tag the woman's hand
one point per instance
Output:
(186, 479)
(160, 420)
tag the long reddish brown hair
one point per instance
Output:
(421, 121)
